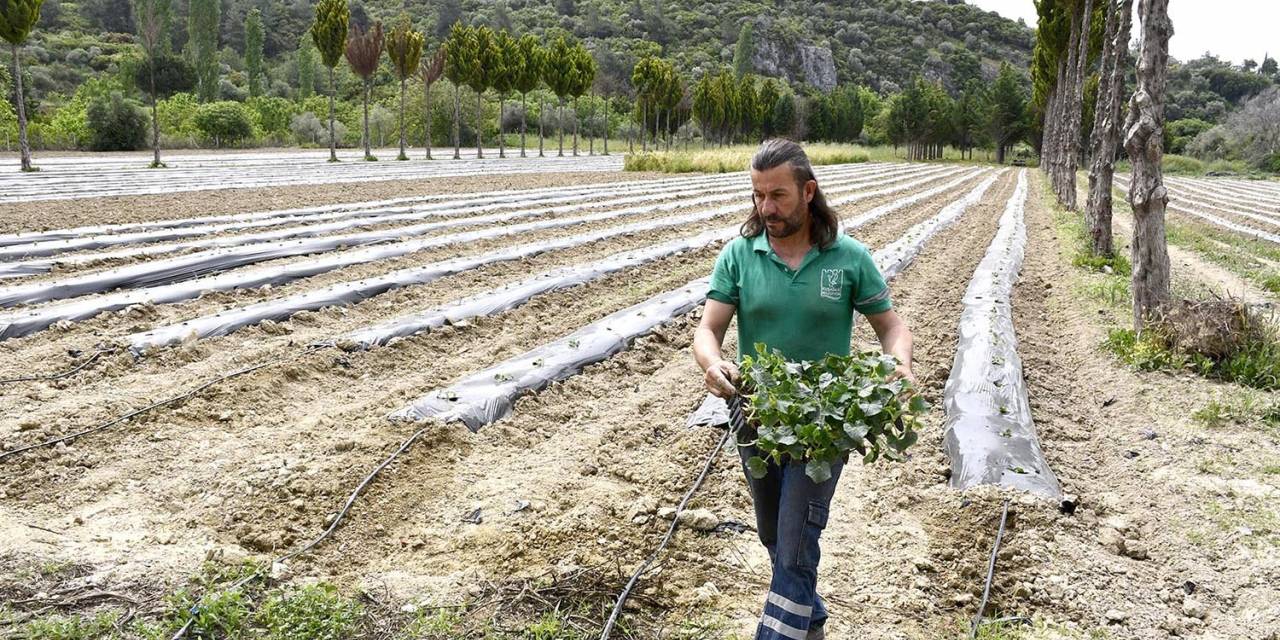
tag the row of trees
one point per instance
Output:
(1073, 36)
(473, 56)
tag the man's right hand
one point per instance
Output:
(721, 377)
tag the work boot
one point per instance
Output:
(816, 632)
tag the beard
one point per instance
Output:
(784, 226)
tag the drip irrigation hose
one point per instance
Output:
(991, 572)
(737, 422)
(162, 403)
(63, 374)
(342, 514)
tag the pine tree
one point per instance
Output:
(559, 76)
(527, 78)
(461, 63)
(203, 19)
(508, 66)
(404, 49)
(329, 34)
(1008, 117)
(1144, 143)
(487, 65)
(583, 76)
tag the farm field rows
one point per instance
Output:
(356, 312)
(126, 175)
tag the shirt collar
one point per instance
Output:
(760, 242)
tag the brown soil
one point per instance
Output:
(570, 480)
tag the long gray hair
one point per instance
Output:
(776, 152)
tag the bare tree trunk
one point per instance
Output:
(605, 100)
(1144, 133)
(367, 154)
(333, 140)
(1106, 127)
(155, 119)
(560, 125)
(524, 116)
(403, 155)
(502, 144)
(1075, 112)
(457, 119)
(575, 126)
(479, 124)
(591, 116)
(426, 107)
(541, 104)
(644, 126)
(24, 146)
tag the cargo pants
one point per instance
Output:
(791, 512)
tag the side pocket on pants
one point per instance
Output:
(815, 522)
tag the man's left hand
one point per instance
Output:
(904, 372)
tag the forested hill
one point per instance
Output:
(877, 43)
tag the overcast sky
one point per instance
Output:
(1198, 26)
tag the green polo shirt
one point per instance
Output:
(806, 313)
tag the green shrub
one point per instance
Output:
(224, 122)
(313, 613)
(117, 124)
(1184, 165)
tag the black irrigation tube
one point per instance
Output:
(162, 403)
(61, 374)
(735, 411)
(333, 526)
(991, 572)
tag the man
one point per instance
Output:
(795, 282)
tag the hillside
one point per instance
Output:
(878, 43)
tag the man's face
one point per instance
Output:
(780, 201)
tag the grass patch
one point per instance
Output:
(1036, 629)
(1254, 362)
(1239, 255)
(1251, 517)
(1248, 409)
(102, 625)
(1187, 166)
(736, 158)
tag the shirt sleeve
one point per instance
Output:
(724, 278)
(870, 293)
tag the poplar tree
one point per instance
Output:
(306, 61)
(203, 20)
(253, 39)
(152, 20)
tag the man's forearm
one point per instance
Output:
(707, 350)
(897, 343)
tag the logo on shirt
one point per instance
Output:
(831, 283)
